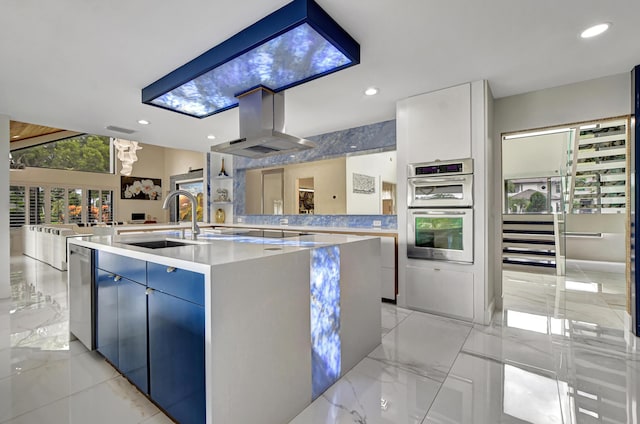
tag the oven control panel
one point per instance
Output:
(441, 168)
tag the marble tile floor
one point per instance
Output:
(555, 354)
(45, 378)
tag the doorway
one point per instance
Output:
(306, 195)
(273, 191)
(565, 214)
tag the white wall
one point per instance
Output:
(595, 99)
(5, 288)
(150, 164)
(328, 182)
(178, 162)
(384, 165)
(538, 156)
(253, 192)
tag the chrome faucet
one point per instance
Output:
(195, 230)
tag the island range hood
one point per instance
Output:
(262, 127)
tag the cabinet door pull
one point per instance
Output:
(148, 291)
(171, 269)
(436, 269)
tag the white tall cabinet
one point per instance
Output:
(453, 123)
(437, 125)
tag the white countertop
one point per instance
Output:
(210, 249)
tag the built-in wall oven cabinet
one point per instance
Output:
(440, 234)
(440, 184)
(440, 210)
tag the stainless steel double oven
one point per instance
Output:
(440, 210)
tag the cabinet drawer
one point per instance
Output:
(133, 269)
(442, 291)
(177, 282)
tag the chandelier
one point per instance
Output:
(127, 154)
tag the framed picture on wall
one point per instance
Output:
(140, 188)
(364, 184)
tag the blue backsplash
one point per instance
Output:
(380, 136)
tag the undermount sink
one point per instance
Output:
(158, 244)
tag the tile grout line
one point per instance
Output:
(57, 400)
(446, 377)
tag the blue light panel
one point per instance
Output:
(326, 350)
(295, 44)
(294, 56)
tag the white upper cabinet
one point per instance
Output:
(436, 125)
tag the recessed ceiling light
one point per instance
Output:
(143, 122)
(595, 30)
(371, 91)
(353, 146)
(211, 137)
(16, 136)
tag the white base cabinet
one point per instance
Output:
(440, 291)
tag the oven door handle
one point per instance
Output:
(414, 212)
(415, 180)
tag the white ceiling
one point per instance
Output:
(80, 65)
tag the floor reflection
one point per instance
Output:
(45, 377)
(556, 353)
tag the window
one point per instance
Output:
(184, 205)
(17, 204)
(57, 205)
(74, 205)
(533, 195)
(106, 205)
(99, 206)
(195, 183)
(580, 169)
(36, 205)
(88, 153)
(599, 159)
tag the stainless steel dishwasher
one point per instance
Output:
(81, 294)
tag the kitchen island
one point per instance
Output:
(235, 328)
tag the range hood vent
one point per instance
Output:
(262, 127)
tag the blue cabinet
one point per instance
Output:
(130, 268)
(107, 315)
(150, 323)
(176, 347)
(121, 316)
(177, 282)
(132, 332)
